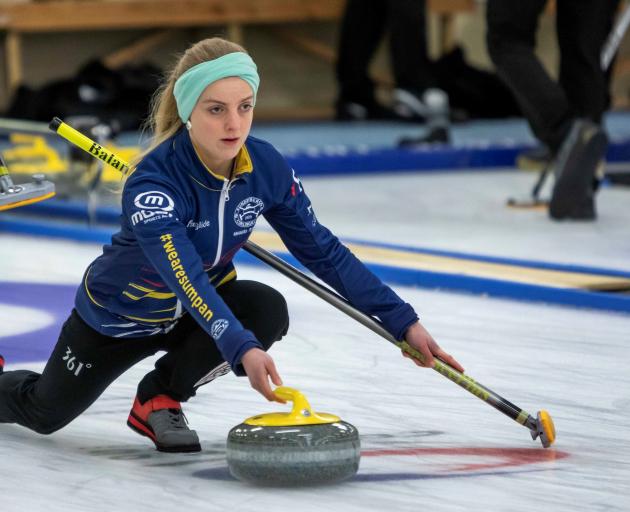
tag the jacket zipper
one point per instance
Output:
(225, 197)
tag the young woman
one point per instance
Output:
(167, 282)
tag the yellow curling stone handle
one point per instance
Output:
(301, 414)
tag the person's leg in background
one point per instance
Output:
(576, 144)
(361, 31)
(193, 359)
(416, 96)
(511, 39)
(511, 42)
(583, 27)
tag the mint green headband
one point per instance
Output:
(193, 82)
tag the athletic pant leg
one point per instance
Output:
(511, 39)
(408, 44)
(193, 358)
(362, 27)
(82, 365)
(583, 26)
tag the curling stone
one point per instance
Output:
(298, 448)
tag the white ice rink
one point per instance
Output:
(428, 445)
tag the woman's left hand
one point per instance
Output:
(420, 339)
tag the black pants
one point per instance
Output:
(84, 363)
(362, 28)
(582, 89)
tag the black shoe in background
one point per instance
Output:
(430, 107)
(577, 161)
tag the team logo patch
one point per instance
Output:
(247, 211)
(218, 327)
(152, 205)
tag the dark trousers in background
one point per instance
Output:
(582, 89)
(363, 26)
(84, 363)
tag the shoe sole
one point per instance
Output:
(140, 427)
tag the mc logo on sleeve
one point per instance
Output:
(152, 205)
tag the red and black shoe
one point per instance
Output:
(162, 420)
(1, 364)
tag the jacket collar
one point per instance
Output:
(187, 155)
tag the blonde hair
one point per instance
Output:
(163, 120)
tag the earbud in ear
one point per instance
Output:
(188, 125)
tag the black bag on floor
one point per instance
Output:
(118, 97)
(474, 92)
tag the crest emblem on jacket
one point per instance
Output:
(247, 211)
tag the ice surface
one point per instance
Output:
(427, 444)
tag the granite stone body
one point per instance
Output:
(294, 455)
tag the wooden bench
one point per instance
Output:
(49, 16)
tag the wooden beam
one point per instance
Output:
(13, 51)
(297, 39)
(68, 15)
(98, 15)
(137, 49)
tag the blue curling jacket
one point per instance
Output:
(181, 225)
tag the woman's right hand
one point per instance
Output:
(260, 367)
